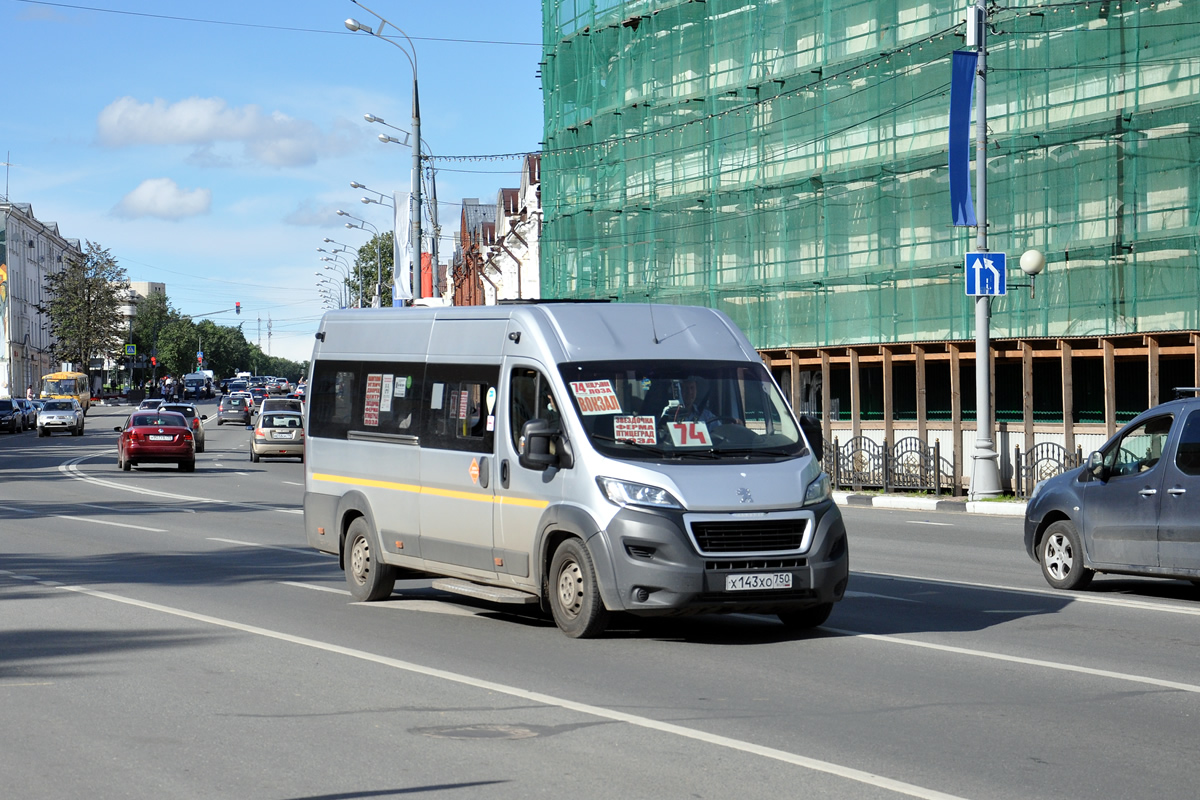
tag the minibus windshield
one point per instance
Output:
(706, 410)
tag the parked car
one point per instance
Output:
(156, 437)
(194, 418)
(1133, 508)
(29, 413)
(278, 434)
(60, 415)
(233, 409)
(11, 415)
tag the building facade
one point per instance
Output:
(29, 251)
(786, 162)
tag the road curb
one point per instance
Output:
(929, 504)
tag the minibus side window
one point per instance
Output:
(332, 397)
(530, 398)
(455, 408)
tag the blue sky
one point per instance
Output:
(209, 144)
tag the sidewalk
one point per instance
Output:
(930, 504)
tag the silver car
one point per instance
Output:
(60, 415)
(278, 434)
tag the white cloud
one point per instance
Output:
(273, 139)
(162, 198)
(308, 214)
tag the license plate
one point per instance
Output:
(758, 580)
(282, 434)
(154, 437)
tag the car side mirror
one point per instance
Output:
(534, 446)
(1095, 465)
(117, 429)
(204, 416)
(811, 427)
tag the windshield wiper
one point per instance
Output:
(760, 451)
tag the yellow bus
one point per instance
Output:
(67, 385)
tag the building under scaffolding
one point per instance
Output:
(785, 162)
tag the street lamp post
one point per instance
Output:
(378, 257)
(411, 55)
(433, 202)
(337, 267)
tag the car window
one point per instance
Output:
(1187, 455)
(1140, 448)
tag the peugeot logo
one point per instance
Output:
(744, 495)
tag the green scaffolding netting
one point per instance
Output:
(786, 162)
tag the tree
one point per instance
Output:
(83, 307)
(366, 268)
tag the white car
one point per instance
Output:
(60, 415)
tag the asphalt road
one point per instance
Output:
(165, 634)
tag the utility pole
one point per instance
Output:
(268, 333)
(985, 470)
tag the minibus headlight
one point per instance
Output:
(819, 490)
(626, 493)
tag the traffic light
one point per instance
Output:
(237, 308)
(153, 361)
(199, 359)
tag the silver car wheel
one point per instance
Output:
(1058, 556)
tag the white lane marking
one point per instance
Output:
(1074, 597)
(426, 606)
(882, 596)
(107, 522)
(827, 767)
(927, 522)
(293, 550)
(71, 469)
(1032, 662)
(314, 587)
(293, 483)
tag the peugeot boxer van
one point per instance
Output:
(588, 457)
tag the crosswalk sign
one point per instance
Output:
(986, 274)
(131, 349)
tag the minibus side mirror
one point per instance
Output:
(536, 435)
(811, 427)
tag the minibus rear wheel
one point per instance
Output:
(369, 579)
(574, 598)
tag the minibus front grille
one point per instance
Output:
(746, 536)
(756, 564)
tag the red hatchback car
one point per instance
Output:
(156, 437)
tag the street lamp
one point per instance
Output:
(378, 258)
(433, 203)
(411, 54)
(337, 263)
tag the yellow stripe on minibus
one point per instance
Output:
(451, 493)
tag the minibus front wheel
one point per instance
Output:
(574, 595)
(368, 578)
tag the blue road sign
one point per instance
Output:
(986, 274)
(131, 349)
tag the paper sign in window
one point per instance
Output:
(385, 394)
(595, 397)
(371, 406)
(689, 434)
(639, 430)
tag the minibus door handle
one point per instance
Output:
(483, 472)
(504, 472)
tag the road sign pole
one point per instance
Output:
(985, 463)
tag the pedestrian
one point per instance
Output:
(29, 392)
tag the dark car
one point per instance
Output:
(194, 418)
(233, 409)
(156, 437)
(259, 393)
(1133, 508)
(29, 412)
(12, 416)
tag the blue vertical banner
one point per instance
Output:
(962, 94)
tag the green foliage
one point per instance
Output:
(366, 266)
(85, 298)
